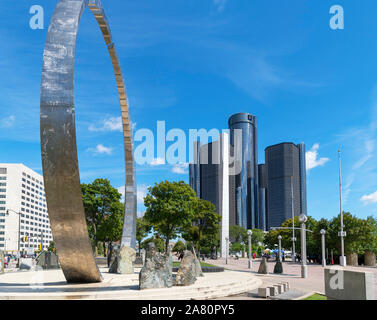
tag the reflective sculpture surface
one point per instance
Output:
(58, 142)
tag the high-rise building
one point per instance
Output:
(209, 177)
(286, 182)
(246, 182)
(24, 221)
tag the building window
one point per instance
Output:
(3, 170)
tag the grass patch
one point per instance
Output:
(176, 264)
(316, 296)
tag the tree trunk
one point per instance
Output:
(167, 245)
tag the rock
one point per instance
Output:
(125, 257)
(27, 264)
(122, 260)
(1, 262)
(370, 259)
(114, 258)
(197, 267)
(156, 271)
(352, 259)
(263, 267)
(48, 260)
(186, 274)
(278, 267)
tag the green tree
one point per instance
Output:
(238, 234)
(103, 210)
(170, 208)
(205, 221)
(143, 228)
(179, 246)
(158, 242)
(51, 247)
(369, 241)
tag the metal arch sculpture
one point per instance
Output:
(58, 142)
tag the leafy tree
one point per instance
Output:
(179, 246)
(51, 247)
(237, 247)
(103, 210)
(238, 234)
(170, 208)
(142, 230)
(158, 242)
(369, 241)
(205, 221)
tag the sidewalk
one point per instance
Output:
(292, 273)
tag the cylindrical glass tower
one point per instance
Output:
(247, 180)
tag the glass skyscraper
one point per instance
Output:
(246, 182)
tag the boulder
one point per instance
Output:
(126, 256)
(156, 272)
(370, 259)
(197, 267)
(186, 274)
(114, 258)
(48, 260)
(27, 264)
(263, 266)
(1, 262)
(278, 267)
(352, 259)
(122, 259)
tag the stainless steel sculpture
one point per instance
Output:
(58, 142)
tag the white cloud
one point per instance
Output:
(180, 168)
(110, 124)
(7, 122)
(370, 198)
(157, 162)
(101, 149)
(312, 158)
(220, 4)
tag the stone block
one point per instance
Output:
(352, 259)
(285, 286)
(263, 292)
(343, 284)
(273, 291)
(280, 288)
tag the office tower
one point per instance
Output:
(246, 182)
(209, 177)
(22, 193)
(262, 194)
(286, 177)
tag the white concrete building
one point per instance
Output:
(24, 221)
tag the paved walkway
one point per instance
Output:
(292, 274)
(48, 285)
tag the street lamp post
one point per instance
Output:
(19, 233)
(227, 250)
(342, 233)
(293, 225)
(304, 272)
(249, 233)
(279, 238)
(323, 233)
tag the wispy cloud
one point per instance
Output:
(109, 124)
(370, 198)
(180, 168)
(7, 122)
(220, 4)
(101, 149)
(312, 158)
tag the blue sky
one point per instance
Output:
(193, 63)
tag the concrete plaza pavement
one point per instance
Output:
(291, 273)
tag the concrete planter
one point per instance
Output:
(370, 259)
(352, 259)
